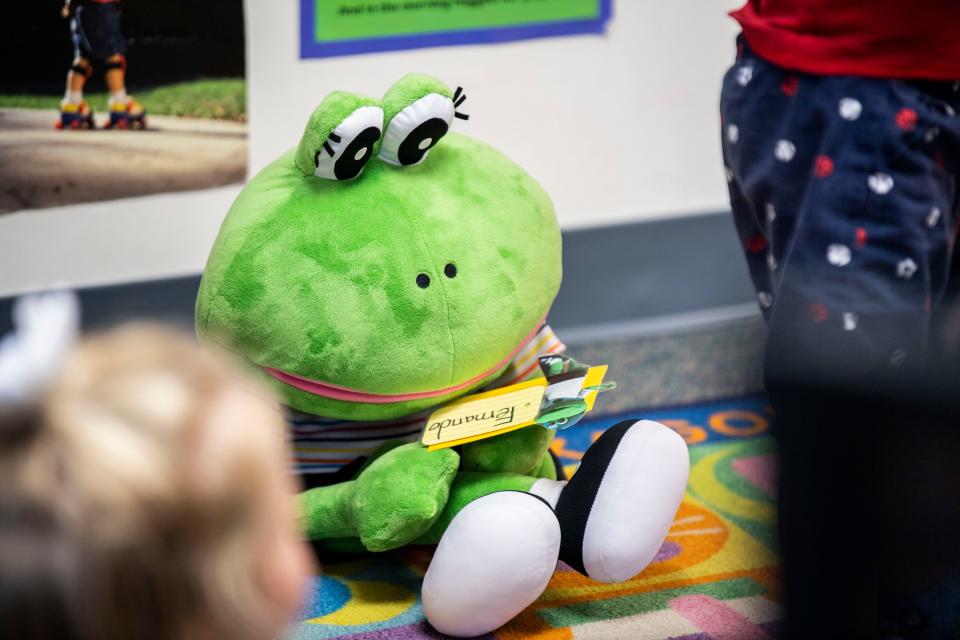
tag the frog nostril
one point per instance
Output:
(450, 270)
(423, 280)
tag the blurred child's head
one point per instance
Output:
(147, 495)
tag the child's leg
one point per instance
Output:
(74, 111)
(116, 71)
(125, 112)
(81, 68)
(77, 76)
(843, 192)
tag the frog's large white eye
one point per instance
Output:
(349, 146)
(418, 127)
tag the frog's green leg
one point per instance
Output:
(467, 487)
(521, 451)
(470, 485)
(394, 500)
(547, 468)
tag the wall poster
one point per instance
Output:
(343, 27)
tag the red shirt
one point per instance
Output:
(917, 39)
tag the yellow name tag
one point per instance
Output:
(492, 413)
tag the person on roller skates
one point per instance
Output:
(98, 38)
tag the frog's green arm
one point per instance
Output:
(327, 512)
(394, 500)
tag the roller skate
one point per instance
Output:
(75, 116)
(127, 115)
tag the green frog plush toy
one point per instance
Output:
(386, 266)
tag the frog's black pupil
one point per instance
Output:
(423, 280)
(450, 270)
(409, 151)
(347, 166)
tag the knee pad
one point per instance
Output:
(82, 67)
(118, 62)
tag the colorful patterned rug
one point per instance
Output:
(714, 578)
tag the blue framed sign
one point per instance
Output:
(344, 27)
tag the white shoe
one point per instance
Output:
(495, 558)
(617, 509)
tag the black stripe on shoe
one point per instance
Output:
(523, 492)
(576, 500)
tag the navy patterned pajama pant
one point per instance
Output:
(843, 191)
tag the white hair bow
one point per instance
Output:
(45, 326)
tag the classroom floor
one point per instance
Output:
(716, 574)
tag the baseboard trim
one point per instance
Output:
(687, 322)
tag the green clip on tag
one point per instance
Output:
(559, 400)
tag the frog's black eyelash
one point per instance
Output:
(326, 147)
(458, 98)
(326, 143)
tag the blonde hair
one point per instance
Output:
(129, 497)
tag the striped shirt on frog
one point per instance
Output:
(323, 445)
